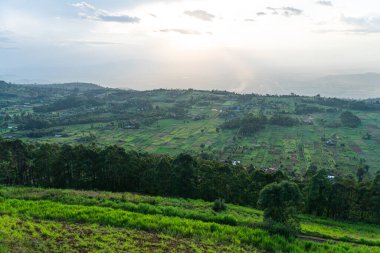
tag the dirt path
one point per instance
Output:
(323, 240)
(315, 238)
(355, 147)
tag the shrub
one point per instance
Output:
(219, 205)
(288, 229)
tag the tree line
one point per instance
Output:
(250, 124)
(112, 168)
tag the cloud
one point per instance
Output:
(273, 10)
(200, 14)
(120, 18)
(324, 3)
(8, 48)
(359, 25)
(285, 11)
(290, 11)
(91, 42)
(249, 20)
(84, 5)
(6, 42)
(90, 12)
(261, 13)
(369, 24)
(182, 31)
(4, 37)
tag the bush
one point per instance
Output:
(288, 229)
(283, 120)
(219, 205)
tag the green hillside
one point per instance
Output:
(292, 157)
(174, 121)
(50, 220)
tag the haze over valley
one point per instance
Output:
(274, 46)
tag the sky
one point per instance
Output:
(240, 45)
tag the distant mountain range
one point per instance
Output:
(358, 86)
(66, 86)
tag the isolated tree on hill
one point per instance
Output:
(280, 202)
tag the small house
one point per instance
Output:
(270, 170)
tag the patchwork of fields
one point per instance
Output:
(292, 148)
(174, 121)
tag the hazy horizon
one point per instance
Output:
(263, 46)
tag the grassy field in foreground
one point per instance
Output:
(27, 235)
(47, 220)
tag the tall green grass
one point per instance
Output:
(196, 210)
(190, 209)
(173, 226)
(26, 235)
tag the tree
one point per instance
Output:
(375, 198)
(7, 173)
(165, 176)
(280, 202)
(362, 208)
(341, 198)
(185, 169)
(248, 125)
(311, 171)
(283, 120)
(350, 120)
(317, 193)
(361, 172)
(367, 136)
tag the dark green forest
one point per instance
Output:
(112, 168)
